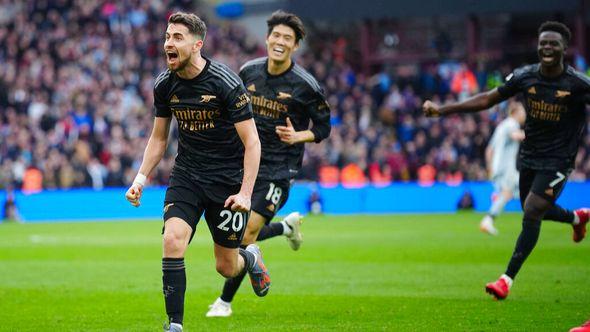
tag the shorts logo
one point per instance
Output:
(251, 87)
(167, 207)
(232, 237)
(207, 98)
(174, 100)
(561, 93)
(532, 91)
(283, 95)
(271, 207)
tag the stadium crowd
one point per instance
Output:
(76, 81)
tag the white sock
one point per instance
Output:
(576, 219)
(286, 228)
(507, 279)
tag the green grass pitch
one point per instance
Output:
(353, 273)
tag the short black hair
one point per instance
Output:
(558, 27)
(289, 19)
(194, 24)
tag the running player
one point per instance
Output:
(284, 98)
(501, 156)
(216, 166)
(555, 100)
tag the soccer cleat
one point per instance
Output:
(259, 276)
(580, 228)
(294, 220)
(487, 226)
(498, 289)
(173, 327)
(582, 328)
(219, 308)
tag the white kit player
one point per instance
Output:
(501, 155)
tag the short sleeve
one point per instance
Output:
(161, 107)
(238, 104)
(511, 87)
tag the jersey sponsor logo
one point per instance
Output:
(232, 237)
(561, 93)
(251, 87)
(268, 107)
(541, 110)
(207, 98)
(195, 119)
(174, 100)
(532, 90)
(283, 95)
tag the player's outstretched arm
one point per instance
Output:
(152, 155)
(249, 136)
(479, 102)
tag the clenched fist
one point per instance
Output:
(431, 109)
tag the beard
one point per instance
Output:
(181, 65)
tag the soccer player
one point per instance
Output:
(555, 99)
(284, 99)
(216, 166)
(501, 156)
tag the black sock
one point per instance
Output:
(249, 259)
(271, 230)
(231, 286)
(559, 214)
(524, 245)
(174, 286)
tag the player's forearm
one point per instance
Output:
(251, 164)
(476, 103)
(305, 136)
(154, 152)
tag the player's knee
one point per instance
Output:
(173, 242)
(534, 211)
(225, 269)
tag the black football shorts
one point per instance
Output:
(188, 200)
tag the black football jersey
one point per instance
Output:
(294, 94)
(206, 109)
(556, 115)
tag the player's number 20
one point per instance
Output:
(236, 218)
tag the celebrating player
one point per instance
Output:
(284, 98)
(218, 142)
(501, 156)
(555, 99)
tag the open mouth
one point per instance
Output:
(171, 56)
(547, 56)
(278, 51)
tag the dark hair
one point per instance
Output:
(195, 25)
(558, 27)
(288, 19)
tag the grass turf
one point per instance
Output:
(353, 273)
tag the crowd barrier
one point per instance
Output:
(88, 204)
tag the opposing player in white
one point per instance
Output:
(501, 155)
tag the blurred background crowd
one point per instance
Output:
(76, 80)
